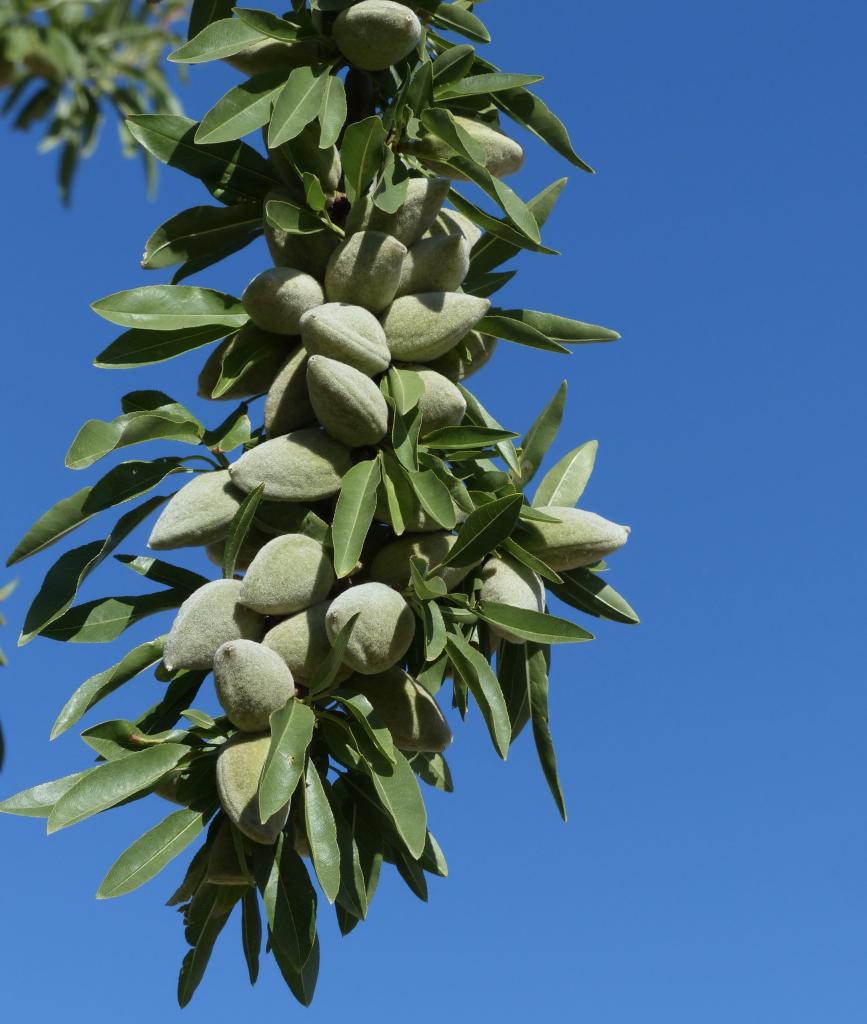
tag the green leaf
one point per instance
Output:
(298, 104)
(313, 192)
(38, 801)
(143, 347)
(353, 514)
(114, 782)
(120, 484)
(432, 769)
(458, 438)
(507, 327)
(197, 232)
(268, 24)
(584, 590)
(251, 932)
(513, 675)
(453, 64)
(541, 730)
(216, 903)
(534, 115)
(370, 734)
(516, 210)
(321, 832)
(204, 12)
(529, 625)
(434, 496)
(103, 683)
(103, 620)
(98, 438)
(238, 529)
(64, 578)
(235, 430)
(472, 668)
(481, 85)
(246, 356)
(302, 983)
(398, 493)
(326, 671)
(559, 328)
(541, 435)
(458, 19)
(290, 905)
(362, 153)
(531, 561)
(290, 217)
(233, 172)
(242, 110)
(404, 438)
(441, 122)
(398, 792)
(158, 571)
(434, 630)
(479, 415)
(291, 732)
(500, 229)
(149, 854)
(484, 529)
(486, 285)
(171, 307)
(426, 589)
(219, 39)
(564, 483)
(332, 112)
(406, 388)
(490, 251)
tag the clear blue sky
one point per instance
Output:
(713, 868)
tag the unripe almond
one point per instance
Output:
(349, 333)
(302, 642)
(425, 326)
(251, 681)
(466, 358)
(199, 513)
(305, 465)
(391, 563)
(277, 298)
(452, 222)
(365, 270)
(239, 765)
(287, 406)
(267, 350)
(580, 538)
(435, 265)
(210, 616)
(440, 404)
(348, 404)
(309, 252)
(506, 581)
(409, 712)
(419, 210)
(503, 155)
(382, 632)
(290, 573)
(374, 34)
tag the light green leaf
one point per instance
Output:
(531, 561)
(114, 782)
(434, 496)
(398, 792)
(298, 104)
(371, 736)
(321, 832)
(242, 110)
(541, 435)
(291, 732)
(434, 630)
(290, 217)
(432, 769)
(564, 483)
(171, 307)
(220, 39)
(459, 19)
(460, 438)
(480, 85)
(529, 625)
(353, 514)
(332, 112)
(441, 122)
(149, 854)
(560, 328)
(509, 328)
(38, 801)
(362, 153)
(197, 232)
(268, 24)
(479, 415)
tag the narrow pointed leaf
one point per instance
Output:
(564, 483)
(398, 792)
(239, 528)
(484, 529)
(541, 730)
(353, 514)
(476, 674)
(291, 732)
(38, 801)
(297, 104)
(141, 347)
(171, 307)
(541, 435)
(584, 590)
(321, 832)
(535, 626)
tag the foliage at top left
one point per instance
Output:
(65, 65)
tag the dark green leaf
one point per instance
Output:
(458, 438)
(531, 561)
(38, 801)
(149, 854)
(268, 24)
(541, 435)
(103, 620)
(251, 932)
(500, 229)
(434, 496)
(64, 578)
(453, 64)
(481, 85)
(113, 782)
(529, 625)
(326, 671)
(321, 832)
(197, 232)
(528, 110)
(473, 670)
(513, 675)
(582, 589)
(362, 153)
(291, 732)
(216, 40)
(290, 905)
(479, 415)
(458, 19)
(402, 801)
(484, 529)
(142, 347)
(507, 327)
(204, 12)
(106, 682)
(560, 328)
(541, 730)
(158, 571)
(432, 769)
(371, 736)
(238, 529)
(290, 217)
(354, 514)
(218, 901)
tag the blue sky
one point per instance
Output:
(713, 865)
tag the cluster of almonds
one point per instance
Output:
(340, 312)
